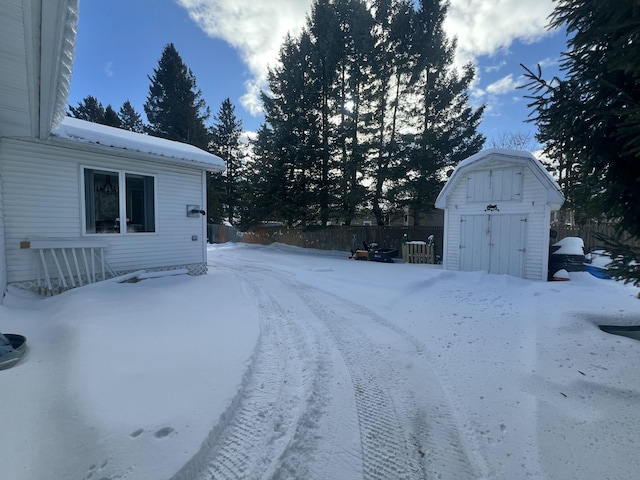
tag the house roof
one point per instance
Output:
(37, 40)
(555, 198)
(76, 133)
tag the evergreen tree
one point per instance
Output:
(267, 192)
(351, 94)
(294, 140)
(342, 131)
(89, 109)
(175, 108)
(215, 198)
(130, 118)
(111, 117)
(590, 120)
(324, 34)
(445, 123)
(225, 142)
(389, 75)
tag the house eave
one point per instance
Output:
(130, 153)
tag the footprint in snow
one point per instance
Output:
(163, 432)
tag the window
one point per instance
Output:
(105, 197)
(140, 211)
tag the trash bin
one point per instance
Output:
(566, 254)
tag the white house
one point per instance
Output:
(80, 201)
(498, 205)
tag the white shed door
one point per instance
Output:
(493, 243)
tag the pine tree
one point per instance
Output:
(389, 75)
(446, 124)
(175, 108)
(225, 142)
(324, 34)
(130, 118)
(591, 118)
(342, 131)
(294, 139)
(266, 196)
(215, 198)
(111, 117)
(89, 109)
(352, 87)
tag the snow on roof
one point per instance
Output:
(554, 194)
(81, 131)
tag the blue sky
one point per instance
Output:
(228, 45)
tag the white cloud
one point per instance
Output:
(549, 62)
(484, 27)
(108, 69)
(502, 86)
(495, 68)
(255, 28)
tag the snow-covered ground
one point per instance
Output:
(288, 363)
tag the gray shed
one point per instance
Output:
(497, 211)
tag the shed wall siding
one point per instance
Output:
(533, 204)
(3, 262)
(43, 199)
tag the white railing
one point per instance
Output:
(68, 263)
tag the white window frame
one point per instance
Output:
(122, 201)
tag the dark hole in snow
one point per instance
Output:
(632, 331)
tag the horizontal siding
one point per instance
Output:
(14, 83)
(3, 263)
(43, 199)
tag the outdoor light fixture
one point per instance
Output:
(195, 211)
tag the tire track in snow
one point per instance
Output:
(434, 446)
(261, 430)
(408, 431)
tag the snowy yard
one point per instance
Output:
(288, 363)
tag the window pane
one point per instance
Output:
(102, 202)
(140, 203)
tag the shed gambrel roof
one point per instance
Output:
(485, 158)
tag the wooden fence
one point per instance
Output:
(589, 233)
(344, 238)
(222, 234)
(418, 252)
(350, 238)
